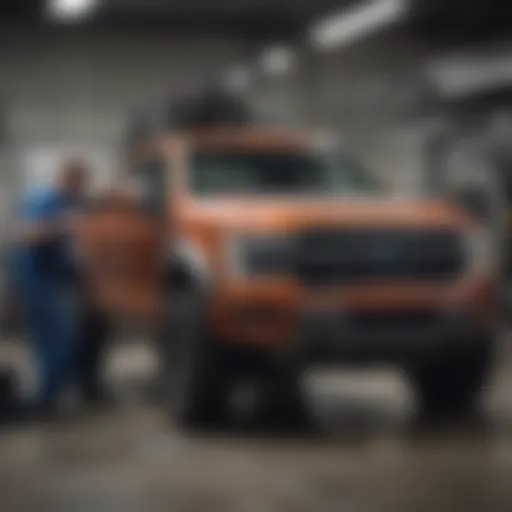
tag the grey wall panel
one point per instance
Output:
(79, 90)
(82, 88)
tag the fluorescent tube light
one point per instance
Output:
(70, 10)
(352, 24)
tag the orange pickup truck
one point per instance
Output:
(257, 254)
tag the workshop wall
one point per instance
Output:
(77, 92)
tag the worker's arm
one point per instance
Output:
(42, 219)
(32, 232)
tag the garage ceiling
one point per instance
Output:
(431, 19)
(461, 21)
(283, 18)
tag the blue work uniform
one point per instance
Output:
(41, 273)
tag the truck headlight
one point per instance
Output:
(254, 255)
(480, 252)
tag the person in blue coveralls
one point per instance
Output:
(41, 265)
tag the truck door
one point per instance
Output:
(121, 244)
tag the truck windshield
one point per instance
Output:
(228, 173)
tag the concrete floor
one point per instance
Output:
(370, 458)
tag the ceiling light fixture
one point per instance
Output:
(353, 24)
(70, 10)
(237, 79)
(277, 60)
(459, 75)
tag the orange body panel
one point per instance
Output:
(133, 287)
(282, 303)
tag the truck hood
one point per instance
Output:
(282, 214)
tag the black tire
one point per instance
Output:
(195, 368)
(93, 343)
(450, 385)
(93, 337)
(284, 402)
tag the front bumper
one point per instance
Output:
(380, 337)
(377, 323)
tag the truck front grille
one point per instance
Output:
(353, 256)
